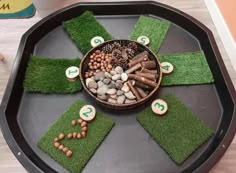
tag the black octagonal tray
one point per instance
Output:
(128, 148)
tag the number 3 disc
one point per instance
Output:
(159, 107)
(87, 113)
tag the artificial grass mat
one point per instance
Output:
(47, 76)
(83, 28)
(83, 148)
(154, 29)
(189, 68)
(179, 132)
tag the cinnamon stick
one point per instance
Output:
(142, 85)
(133, 90)
(147, 75)
(141, 92)
(144, 70)
(134, 68)
(149, 64)
(143, 80)
(138, 60)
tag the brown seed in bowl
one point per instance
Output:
(69, 153)
(56, 144)
(70, 135)
(61, 147)
(65, 149)
(61, 136)
(73, 122)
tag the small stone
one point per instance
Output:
(73, 122)
(110, 100)
(116, 77)
(102, 90)
(108, 75)
(113, 96)
(112, 85)
(83, 134)
(100, 84)
(78, 135)
(119, 84)
(129, 101)
(61, 136)
(130, 95)
(125, 88)
(88, 80)
(119, 92)
(56, 144)
(124, 77)
(111, 91)
(94, 91)
(121, 99)
(106, 81)
(119, 70)
(68, 153)
(70, 135)
(99, 75)
(102, 97)
(92, 84)
(65, 149)
(113, 73)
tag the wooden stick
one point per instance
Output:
(143, 80)
(133, 90)
(143, 86)
(144, 70)
(147, 75)
(149, 64)
(141, 92)
(138, 60)
(134, 68)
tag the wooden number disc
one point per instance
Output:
(159, 107)
(143, 40)
(87, 113)
(166, 67)
(72, 73)
(95, 41)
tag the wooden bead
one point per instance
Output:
(69, 153)
(61, 136)
(83, 124)
(56, 144)
(70, 135)
(159, 107)
(73, 122)
(56, 139)
(2, 57)
(83, 134)
(84, 129)
(74, 135)
(65, 149)
(80, 121)
(61, 147)
(78, 135)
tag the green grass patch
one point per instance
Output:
(83, 28)
(83, 148)
(154, 29)
(189, 68)
(47, 76)
(179, 132)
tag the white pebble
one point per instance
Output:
(119, 70)
(130, 95)
(116, 77)
(121, 99)
(88, 80)
(111, 91)
(124, 77)
(110, 100)
(125, 88)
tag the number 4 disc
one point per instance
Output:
(166, 67)
(159, 107)
(87, 113)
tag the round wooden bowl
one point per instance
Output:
(141, 48)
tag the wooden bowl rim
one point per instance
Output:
(127, 105)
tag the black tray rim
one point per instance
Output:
(32, 167)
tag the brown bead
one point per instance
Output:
(65, 149)
(69, 153)
(99, 60)
(83, 124)
(61, 136)
(74, 135)
(78, 135)
(73, 122)
(83, 134)
(2, 58)
(70, 135)
(80, 121)
(56, 139)
(61, 147)
(57, 144)
(84, 128)
(110, 66)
